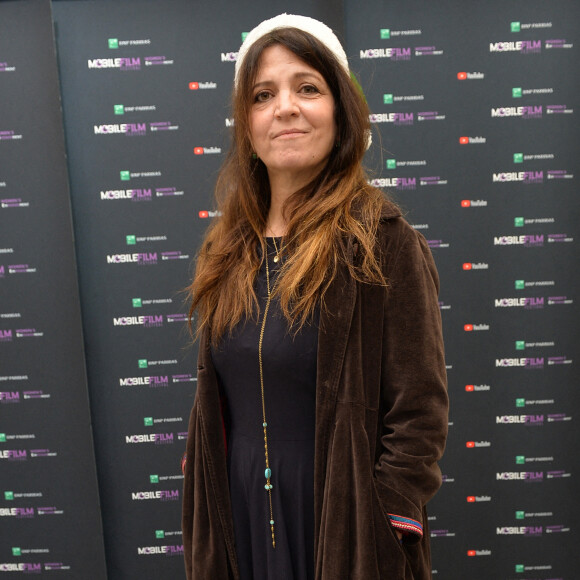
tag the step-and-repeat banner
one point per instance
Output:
(49, 505)
(474, 112)
(476, 105)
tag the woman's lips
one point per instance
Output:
(289, 134)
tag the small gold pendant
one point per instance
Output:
(275, 259)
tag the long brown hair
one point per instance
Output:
(337, 204)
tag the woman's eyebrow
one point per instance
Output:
(297, 75)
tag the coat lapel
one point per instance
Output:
(215, 451)
(335, 322)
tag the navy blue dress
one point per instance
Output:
(289, 365)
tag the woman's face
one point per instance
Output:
(292, 125)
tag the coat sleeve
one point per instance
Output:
(413, 382)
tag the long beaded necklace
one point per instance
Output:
(267, 471)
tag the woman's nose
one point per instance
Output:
(286, 104)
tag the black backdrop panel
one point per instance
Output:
(49, 506)
(474, 104)
(146, 91)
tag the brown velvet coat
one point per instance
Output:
(381, 424)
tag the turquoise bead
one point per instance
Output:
(271, 522)
(268, 473)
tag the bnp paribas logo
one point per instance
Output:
(137, 302)
(520, 515)
(520, 284)
(148, 421)
(2, 437)
(119, 109)
(125, 175)
(113, 43)
(388, 99)
(391, 164)
(518, 157)
(520, 345)
(153, 478)
(520, 568)
(16, 551)
(385, 33)
(160, 534)
(520, 402)
(520, 459)
(517, 92)
(515, 26)
(131, 240)
(9, 495)
(519, 222)
(142, 363)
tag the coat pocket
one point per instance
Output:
(356, 538)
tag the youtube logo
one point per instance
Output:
(469, 388)
(465, 203)
(467, 265)
(198, 150)
(461, 76)
(468, 327)
(471, 553)
(463, 140)
(470, 444)
(193, 86)
(203, 214)
(470, 499)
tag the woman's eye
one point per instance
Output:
(262, 96)
(309, 89)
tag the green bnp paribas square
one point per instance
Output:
(388, 99)
(125, 175)
(119, 109)
(391, 164)
(520, 402)
(113, 43)
(159, 534)
(520, 459)
(143, 364)
(131, 240)
(2, 437)
(518, 157)
(520, 284)
(515, 26)
(520, 515)
(520, 344)
(517, 92)
(520, 568)
(148, 421)
(137, 303)
(519, 222)
(16, 551)
(385, 33)
(154, 478)
(9, 495)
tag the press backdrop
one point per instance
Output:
(475, 134)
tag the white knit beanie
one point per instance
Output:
(318, 29)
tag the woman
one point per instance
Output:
(321, 405)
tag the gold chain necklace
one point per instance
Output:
(277, 257)
(267, 471)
